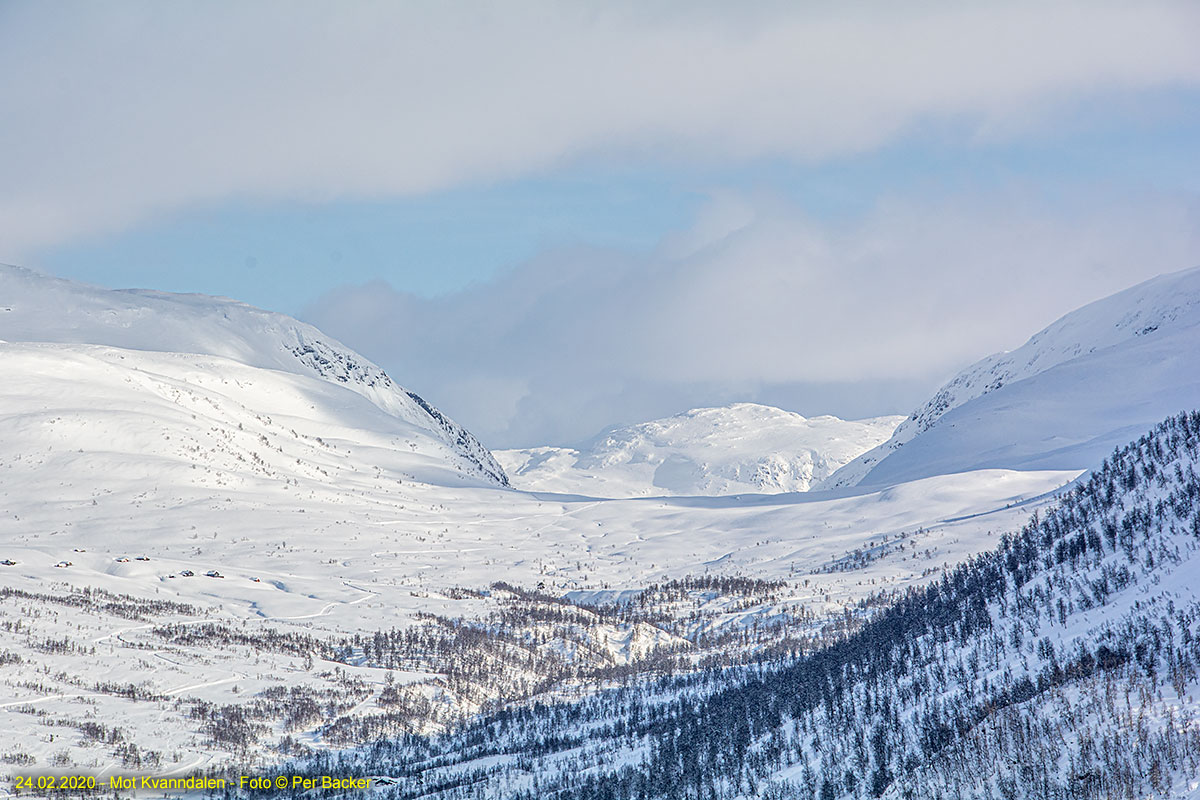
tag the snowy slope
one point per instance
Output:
(1063, 400)
(741, 448)
(102, 421)
(38, 308)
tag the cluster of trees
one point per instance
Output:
(272, 640)
(533, 644)
(864, 556)
(103, 602)
(239, 728)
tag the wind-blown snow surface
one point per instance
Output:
(739, 448)
(1085, 385)
(38, 308)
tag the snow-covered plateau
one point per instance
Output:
(227, 539)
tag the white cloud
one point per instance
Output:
(116, 112)
(854, 318)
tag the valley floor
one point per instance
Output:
(340, 618)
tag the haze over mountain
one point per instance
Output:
(1086, 384)
(744, 447)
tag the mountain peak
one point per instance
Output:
(734, 449)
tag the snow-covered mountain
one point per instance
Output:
(734, 449)
(117, 339)
(226, 540)
(1071, 394)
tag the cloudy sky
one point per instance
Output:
(552, 217)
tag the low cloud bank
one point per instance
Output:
(758, 303)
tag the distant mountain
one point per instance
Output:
(1063, 400)
(741, 448)
(89, 325)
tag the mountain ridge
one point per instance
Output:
(41, 308)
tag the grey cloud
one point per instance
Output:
(117, 112)
(855, 318)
